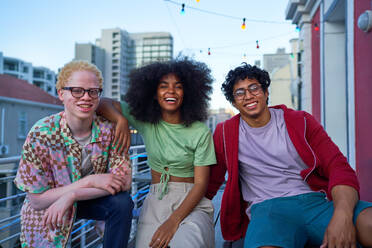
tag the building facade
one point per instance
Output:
(150, 47)
(21, 105)
(336, 56)
(216, 116)
(283, 70)
(92, 53)
(124, 51)
(42, 77)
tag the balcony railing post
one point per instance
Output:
(83, 233)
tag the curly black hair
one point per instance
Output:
(197, 86)
(242, 72)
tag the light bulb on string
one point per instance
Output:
(183, 9)
(243, 24)
(209, 51)
(257, 46)
(197, 1)
(244, 56)
(316, 27)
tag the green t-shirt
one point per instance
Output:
(174, 146)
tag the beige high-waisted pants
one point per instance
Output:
(195, 231)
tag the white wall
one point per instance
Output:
(335, 84)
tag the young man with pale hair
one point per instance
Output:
(70, 170)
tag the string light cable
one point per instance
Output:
(211, 48)
(183, 6)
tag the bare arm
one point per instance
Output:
(109, 183)
(165, 232)
(111, 110)
(341, 230)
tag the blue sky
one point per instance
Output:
(44, 32)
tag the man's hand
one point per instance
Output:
(164, 234)
(340, 232)
(59, 212)
(122, 136)
(107, 181)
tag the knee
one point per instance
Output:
(364, 220)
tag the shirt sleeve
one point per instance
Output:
(125, 109)
(204, 153)
(33, 176)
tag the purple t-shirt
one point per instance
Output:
(269, 165)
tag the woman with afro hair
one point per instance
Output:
(167, 102)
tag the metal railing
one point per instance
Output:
(83, 234)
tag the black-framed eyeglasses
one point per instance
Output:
(78, 92)
(254, 89)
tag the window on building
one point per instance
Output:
(22, 124)
(39, 84)
(38, 74)
(49, 77)
(25, 69)
(10, 66)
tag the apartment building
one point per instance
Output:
(42, 77)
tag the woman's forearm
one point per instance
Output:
(194, 196)
(109, 109)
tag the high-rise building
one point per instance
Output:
(150, 47)
(124, 51)
(40, 76)
(92, 53)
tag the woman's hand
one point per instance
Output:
(164, 233)
(122, 136)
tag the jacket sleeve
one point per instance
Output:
(217, 171)
(332, 164)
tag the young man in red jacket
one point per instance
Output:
(285, 175)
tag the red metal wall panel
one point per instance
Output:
(315, 66)
(363, 101)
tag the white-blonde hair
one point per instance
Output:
(77, 65)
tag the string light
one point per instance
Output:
(183, 9)
(316, 27)
(257, 46)
(209, 51)
(197, 1)
(243, 25)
